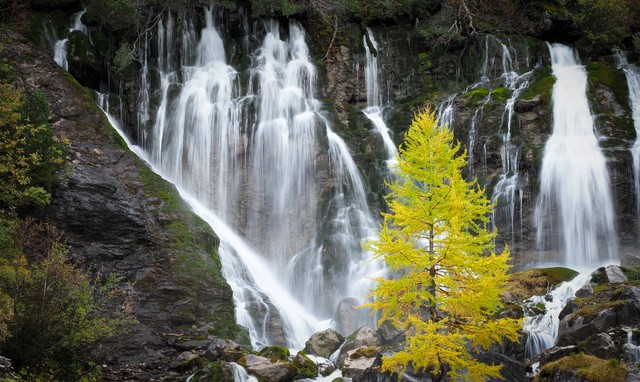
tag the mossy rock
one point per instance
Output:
(500, 94)
(475, 96)
(542, 85)
(366, 352)
(218, 371)
(275, 352)
(531, 282)
(611, 77)
(305, 367)
(586, 367)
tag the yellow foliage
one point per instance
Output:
(436, 238)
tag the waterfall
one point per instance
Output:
(630, 350)
(508, 191)
(60, 53)
(374, 99)
(575, 197)
(60, 46)
(253, 154)
(499, 71)
(542, 329)
(632, 73)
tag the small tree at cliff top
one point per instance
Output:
(447, 293)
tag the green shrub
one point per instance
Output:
(29, 152)
(56, 310)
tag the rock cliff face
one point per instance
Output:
(120, 218)
(473, 78)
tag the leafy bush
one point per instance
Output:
(29, 152)
(51, 310)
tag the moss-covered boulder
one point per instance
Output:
(324, 343)
(305, 367)
(535, 282)
(582, 368)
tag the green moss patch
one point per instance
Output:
(476, 96)
(275, 352)
(531, 282)
(614, 79)
(305, 367)
(587, 367)
(541, 86)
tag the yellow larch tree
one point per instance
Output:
(445, 292)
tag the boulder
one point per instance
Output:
(358, 360)
(305, 368)
(267, 370)
(601, 345)
(555, 353)
(569, 308)
(324, 343)
(575, 328)
(512, 370)
(227, 350)
(630, 260)
(346, 316)
(363, 337)
(585, 291)
(389, 335)
(185, 361)
(615, 275)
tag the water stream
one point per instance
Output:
(542, 329)
(574, 211)
(374, 109)
(632, 73)
(60, 46)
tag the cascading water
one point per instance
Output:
(632, 73)
(542, 329)
(575, 197)
(257, 163)
(630, 349)
(499, 72)
(508, 191)
(374, 99)
(60, 53)
(60, 46)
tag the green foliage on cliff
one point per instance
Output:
(51, 312)
(605, 22)
(29, 152)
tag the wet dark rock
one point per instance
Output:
(527, 105)
(601, 345)
(623, 310)
(512, 370)
(575, 328)
(569, 308)
(585, 291)
(555, 353)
